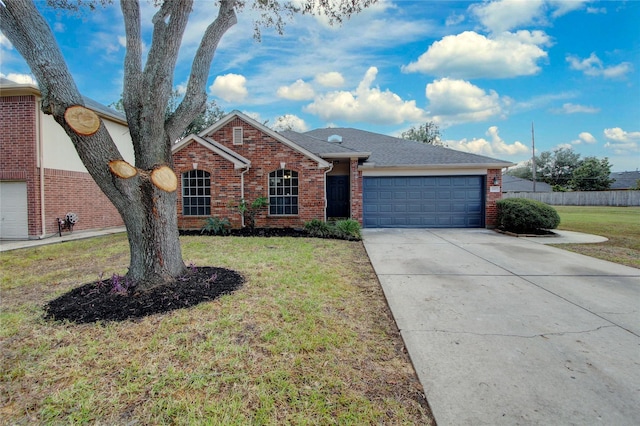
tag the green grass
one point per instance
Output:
(307, 340)
(621, 225)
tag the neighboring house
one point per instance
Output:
(516, 184)
(625, 180)
(379, 180)
(41, 175)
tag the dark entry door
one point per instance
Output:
(337, 196)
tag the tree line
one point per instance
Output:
(564, 170)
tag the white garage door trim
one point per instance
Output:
(14, 217)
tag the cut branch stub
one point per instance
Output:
(164, 178)
(122, 169)
(83, 121)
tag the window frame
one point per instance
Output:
(284, 192)
(196, 186)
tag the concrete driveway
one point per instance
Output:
(502, 330)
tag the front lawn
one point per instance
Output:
(621, 225)
(308, 339)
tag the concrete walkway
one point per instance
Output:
(6, 245)
(503, 330)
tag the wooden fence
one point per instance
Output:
(581, 198)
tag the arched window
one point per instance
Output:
(283, 192)
(196, 193)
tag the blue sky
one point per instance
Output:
(483, 71)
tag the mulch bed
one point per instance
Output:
(103, 301)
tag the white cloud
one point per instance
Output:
(584, 137)
(458, 101)
(59, 27)
(472, 55)
(494, 146)
(20, 78)
(562, 7)
(622, 142)
(504, 15)
(366, 103)
(593, 66)
(570, 108)
(454, 19)
(298, 91)
(330, 79)
(230, 87)
(290, 122)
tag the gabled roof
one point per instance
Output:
(516, 184)
(10, 88)
(388, 151)
(239, 162)
(322, 164)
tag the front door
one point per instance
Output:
(337, 196)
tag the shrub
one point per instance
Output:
(349, 227)
(318, 228)
(524, 215)
(216, 226)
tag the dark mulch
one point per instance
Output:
(257, 232)
(102, 301)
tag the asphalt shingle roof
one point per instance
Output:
(389, 151)
(516, 184)
(625, 180)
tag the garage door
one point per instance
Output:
(13, 211)
(423, 202)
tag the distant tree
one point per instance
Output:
(592, 175)
(556, 168)
(428, 133)
(523, 172)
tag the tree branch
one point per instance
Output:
(132, 66)
(196, 96)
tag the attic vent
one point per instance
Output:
(237, 135)
(335, 138)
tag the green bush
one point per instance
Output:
(216, 226)
(524, 215)
(348, 229)
(318, 228)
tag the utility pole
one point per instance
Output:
(533, 160)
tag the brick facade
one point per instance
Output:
(491, 211)
(266, 155)
(356, 190)
(64, 191)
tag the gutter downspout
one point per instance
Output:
(43, 216)
(326, 201)
(242, 191)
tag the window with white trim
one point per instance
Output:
(283, 192)
(237, 135)
(196, 193)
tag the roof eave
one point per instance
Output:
(370, 166)
(238, 163)
(359, 155)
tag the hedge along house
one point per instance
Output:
(41, 176)
(378, 180)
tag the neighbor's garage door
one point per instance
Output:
(13, 211)
(424, 202)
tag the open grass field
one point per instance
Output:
(308, 339)
(621, 225)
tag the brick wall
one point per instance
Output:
(64, 191)
(356, 190)
(491, 212)
(76, 192)
(18, 155)
(266, 154)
